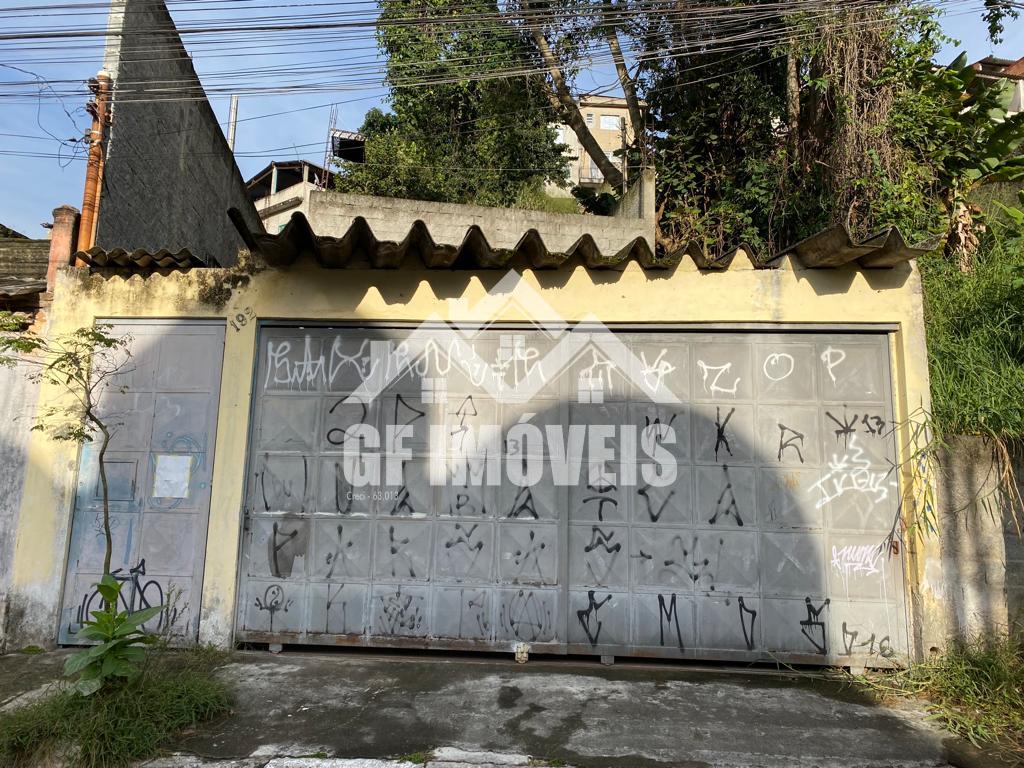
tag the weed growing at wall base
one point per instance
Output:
(119, 724)
(975, 690)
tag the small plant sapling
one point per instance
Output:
(121, 642)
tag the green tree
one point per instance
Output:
(456, 133)
(719, 152)
(847, 120)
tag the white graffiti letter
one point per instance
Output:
(720, 371)
(830, 361)
(781, 365)
(655, 371)
(856, 560)
(852, 473)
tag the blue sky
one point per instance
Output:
(33, 186)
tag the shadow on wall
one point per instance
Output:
(982, 552)
(763, 546)
(17, 403)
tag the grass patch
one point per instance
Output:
(539, 200)
(553, 204)
(420, 758)
(975, 326)
(120, 724)
(975, 690)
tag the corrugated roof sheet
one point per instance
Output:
(21, 257)
(139, 260)
(358, 246)
(18, 287)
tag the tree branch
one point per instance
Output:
(563, 102)
(628, 86)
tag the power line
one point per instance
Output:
(735, 33)
(359, 77)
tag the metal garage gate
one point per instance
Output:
(162, 410)
(438, 487)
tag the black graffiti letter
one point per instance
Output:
(748, 631)
(721, 441)
(846, 428)
(671, 615)
(584, 616)
(813, 628)
(726, 502)
(790, 442)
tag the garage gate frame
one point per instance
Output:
(865, 650)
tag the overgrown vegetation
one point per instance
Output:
(132, 720)
(975, 323)
(975, 690)
(830, 116)
(850, 122)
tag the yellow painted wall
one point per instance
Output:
(739, 295)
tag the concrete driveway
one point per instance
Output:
(579, 713)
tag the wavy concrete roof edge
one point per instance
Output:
(832, 247)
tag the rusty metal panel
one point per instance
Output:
(159, 468)
(771, 540)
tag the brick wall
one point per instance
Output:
(169, 177)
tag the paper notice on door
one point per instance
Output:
(171, 476)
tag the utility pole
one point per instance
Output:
(625, 155)
(232, 122)
(97, 134)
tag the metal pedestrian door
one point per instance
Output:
(159, 468)
(723, 495)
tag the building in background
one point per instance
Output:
(994, 68)
(282, 188)
(607, 117)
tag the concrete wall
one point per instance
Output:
(275, 210)
(17, 401)
(982, 552)
(763, 298)
(169, 176)
(332, 213)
